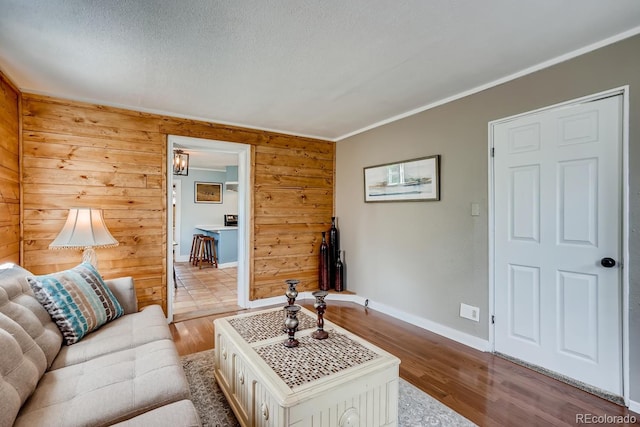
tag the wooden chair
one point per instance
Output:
(208, 253)
(196, 243)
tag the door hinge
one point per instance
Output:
(493, 152)
(493, 319)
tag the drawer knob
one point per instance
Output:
(349, 418)
(241, 377)
(265, 411)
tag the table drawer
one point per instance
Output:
(241, 387)
(223, 359)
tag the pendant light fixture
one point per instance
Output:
(180, 162)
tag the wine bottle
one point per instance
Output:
(323, 273)
(334, 248)
(339, 283)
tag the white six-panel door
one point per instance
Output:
(557, 213)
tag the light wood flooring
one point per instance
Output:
(488, 390)
(201, 292)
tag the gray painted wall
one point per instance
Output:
(426, 258)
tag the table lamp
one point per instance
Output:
(85, 229)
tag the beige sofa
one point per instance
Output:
(126, 373)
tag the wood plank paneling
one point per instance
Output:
(80, 154)
(9, 172)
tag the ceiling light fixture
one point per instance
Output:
(180, 162)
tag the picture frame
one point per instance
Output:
(208, 192)
(415, 180)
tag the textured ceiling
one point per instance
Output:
(324, 68)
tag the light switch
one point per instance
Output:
(475, 209)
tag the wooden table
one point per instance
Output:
(341, 381)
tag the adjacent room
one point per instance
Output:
(280, 213)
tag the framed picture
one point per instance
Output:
(208, 192)
(416, 180)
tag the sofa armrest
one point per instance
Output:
(125, 293)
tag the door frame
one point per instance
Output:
(624, 92)
(171, 183)
(245, 212)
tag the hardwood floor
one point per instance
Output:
(488, 390)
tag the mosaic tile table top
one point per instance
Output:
(314, 359)
(266, 325)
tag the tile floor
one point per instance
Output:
(205, 291)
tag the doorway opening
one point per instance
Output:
(200, 289)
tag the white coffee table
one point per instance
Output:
(341, 381)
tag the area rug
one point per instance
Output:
(416, 408)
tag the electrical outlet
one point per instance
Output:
(469, 312)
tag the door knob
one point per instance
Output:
(608, 262)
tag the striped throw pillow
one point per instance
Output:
(77, 300)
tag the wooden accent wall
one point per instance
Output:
(78, 154)
(9, 172)
(293, 204)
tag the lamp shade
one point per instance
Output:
(84, 228)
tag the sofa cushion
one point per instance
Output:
(18, 303)
(124, 333)
(77, 300)
(178, 414)
(125, 292)
(108, 389)
(22, 363)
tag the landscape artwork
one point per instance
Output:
(409, 181)
(208, 192)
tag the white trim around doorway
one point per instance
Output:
(244, 209)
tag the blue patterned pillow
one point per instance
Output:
(77, 300)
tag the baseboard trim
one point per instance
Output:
(265, 302)
(634, 406)
(228, 264)
(436, 328)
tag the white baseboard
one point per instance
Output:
(306, 295)
(344, 297)
(228, 264)
(445, 331)
(634, 406)
(436, 328)
(265, 302)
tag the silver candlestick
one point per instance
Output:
(291, 293)
(320, 306)
(291, 324)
